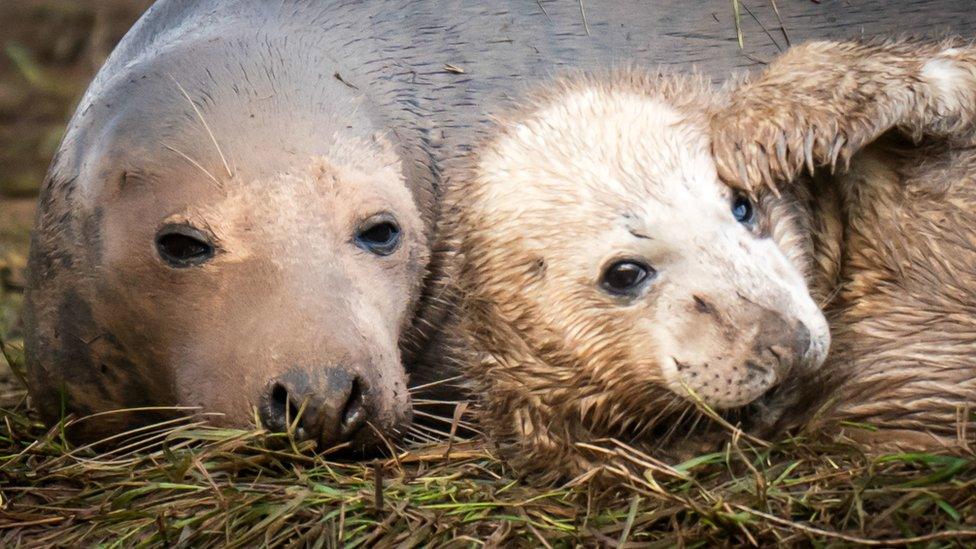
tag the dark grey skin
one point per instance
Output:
(260, 142)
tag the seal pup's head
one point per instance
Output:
(610, 279)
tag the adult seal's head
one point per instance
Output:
(226, 226)
(613, 283)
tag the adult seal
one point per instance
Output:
(242, 214)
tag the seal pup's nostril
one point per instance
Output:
(755, 369)
(791, 350)
(801, 343)
(703, 306)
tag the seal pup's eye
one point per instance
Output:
(379, 235)
(626, 277)
(181, 246)
(742, 209)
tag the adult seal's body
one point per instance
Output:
(242, 213)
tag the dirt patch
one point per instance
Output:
(16, 217)
(49, 51)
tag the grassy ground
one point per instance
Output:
(185, 484)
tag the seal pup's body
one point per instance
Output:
(627, 281)
(886, 247)
(888, 131)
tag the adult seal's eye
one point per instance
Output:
(742, 209)
(626, 277)
(182, 246)
(380, 235)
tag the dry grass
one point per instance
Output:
(185, 483)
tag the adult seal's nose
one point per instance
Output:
(330, 408)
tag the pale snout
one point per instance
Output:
(779, 347)
(734, 357)
(335, 376)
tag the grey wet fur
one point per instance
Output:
(226, 91)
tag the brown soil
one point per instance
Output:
(49, 51)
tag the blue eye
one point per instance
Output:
(742, 209)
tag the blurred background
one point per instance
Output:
(49, 51)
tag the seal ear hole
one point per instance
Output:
(183, 247)
(379, 235)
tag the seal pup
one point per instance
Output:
(596, 303)
(610, 280)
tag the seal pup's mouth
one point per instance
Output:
(690, 425)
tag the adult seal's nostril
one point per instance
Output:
(278, 408)
(289, 401)
(329, 407)
(354, 412)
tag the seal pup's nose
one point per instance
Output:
(780, 346)
(792, 349)
(334, 409)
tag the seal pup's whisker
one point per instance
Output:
(691, 430)
(676, 425)
(650, 424)
(440, 434)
